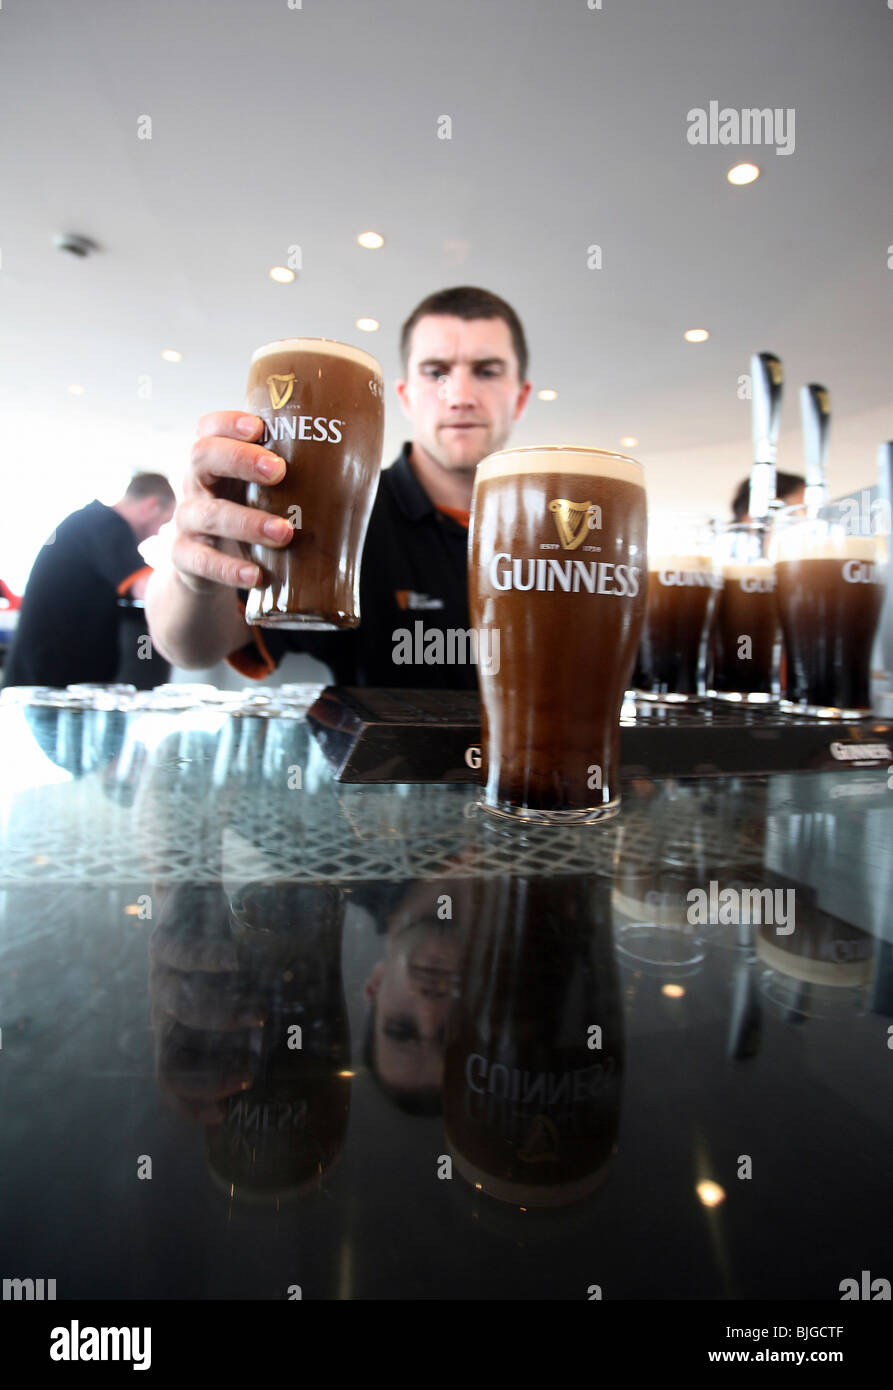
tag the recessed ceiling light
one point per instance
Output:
(696, 335)
(743, 173)
(548, 395)
(371, 240)
(672, 991)
(629, 441)
(282, 274)
(171, 355)
(76, 390)
(368, 325)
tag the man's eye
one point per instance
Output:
(400, 1030)
(489, 371)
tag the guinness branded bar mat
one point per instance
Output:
(373, 735)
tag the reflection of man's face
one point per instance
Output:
(411, 990)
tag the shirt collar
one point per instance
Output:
(412, 499)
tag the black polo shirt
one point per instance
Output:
(413, 582)
(67, 631)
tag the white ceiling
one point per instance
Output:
(274, 126)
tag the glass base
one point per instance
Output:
(824, 711)
(744, 697)
(669, 699)
(296, 622)
(527, 1194)
(588, 815)
(663, 948)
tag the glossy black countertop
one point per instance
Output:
(264, 1032)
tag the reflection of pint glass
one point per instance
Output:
(746, 623)
(531, 1091)
(323, 411)
(830, 587)
(279, 1136)
(681, 584)
(557, 569)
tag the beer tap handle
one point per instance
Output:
(767, 377)
(815, 410)
(885, 471)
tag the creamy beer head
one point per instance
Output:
(322, 404)
(558, 569)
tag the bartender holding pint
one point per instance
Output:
(314, 421)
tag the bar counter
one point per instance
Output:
(266, 1035)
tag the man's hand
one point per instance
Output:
(223, 458)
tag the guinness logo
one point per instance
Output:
(542, 1143)
(573, 520)
(280, 388)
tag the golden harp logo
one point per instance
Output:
(573, 521)
(280, 388)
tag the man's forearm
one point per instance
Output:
(189, 629)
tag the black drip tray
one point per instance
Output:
(371, 735)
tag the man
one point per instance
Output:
(68, 625)
(788, 489)
(464, 360)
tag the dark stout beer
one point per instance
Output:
(557, 569)
(322, 405)
(534, 1044)
(830, 591)
(680, 603)
(746, 609)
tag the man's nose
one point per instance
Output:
(457, 388)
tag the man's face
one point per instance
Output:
(461, 390)
(412, 989)
(154, 514)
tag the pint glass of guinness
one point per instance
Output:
(556, 571)
(682, 582)
(322, 404)
(830, 587)
(746, 623)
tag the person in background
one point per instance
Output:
(788, 489)
(464, 384)
(68, 624)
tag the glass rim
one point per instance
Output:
(563, 449)
(284, 344)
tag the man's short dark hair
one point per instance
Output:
(785, 484)
(150, 485)
(468, 302)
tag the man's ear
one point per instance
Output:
(373, 984)
(523, 398)
(403, 397)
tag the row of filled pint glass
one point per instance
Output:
(561, 570)
(719, 606)
(558, 584)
